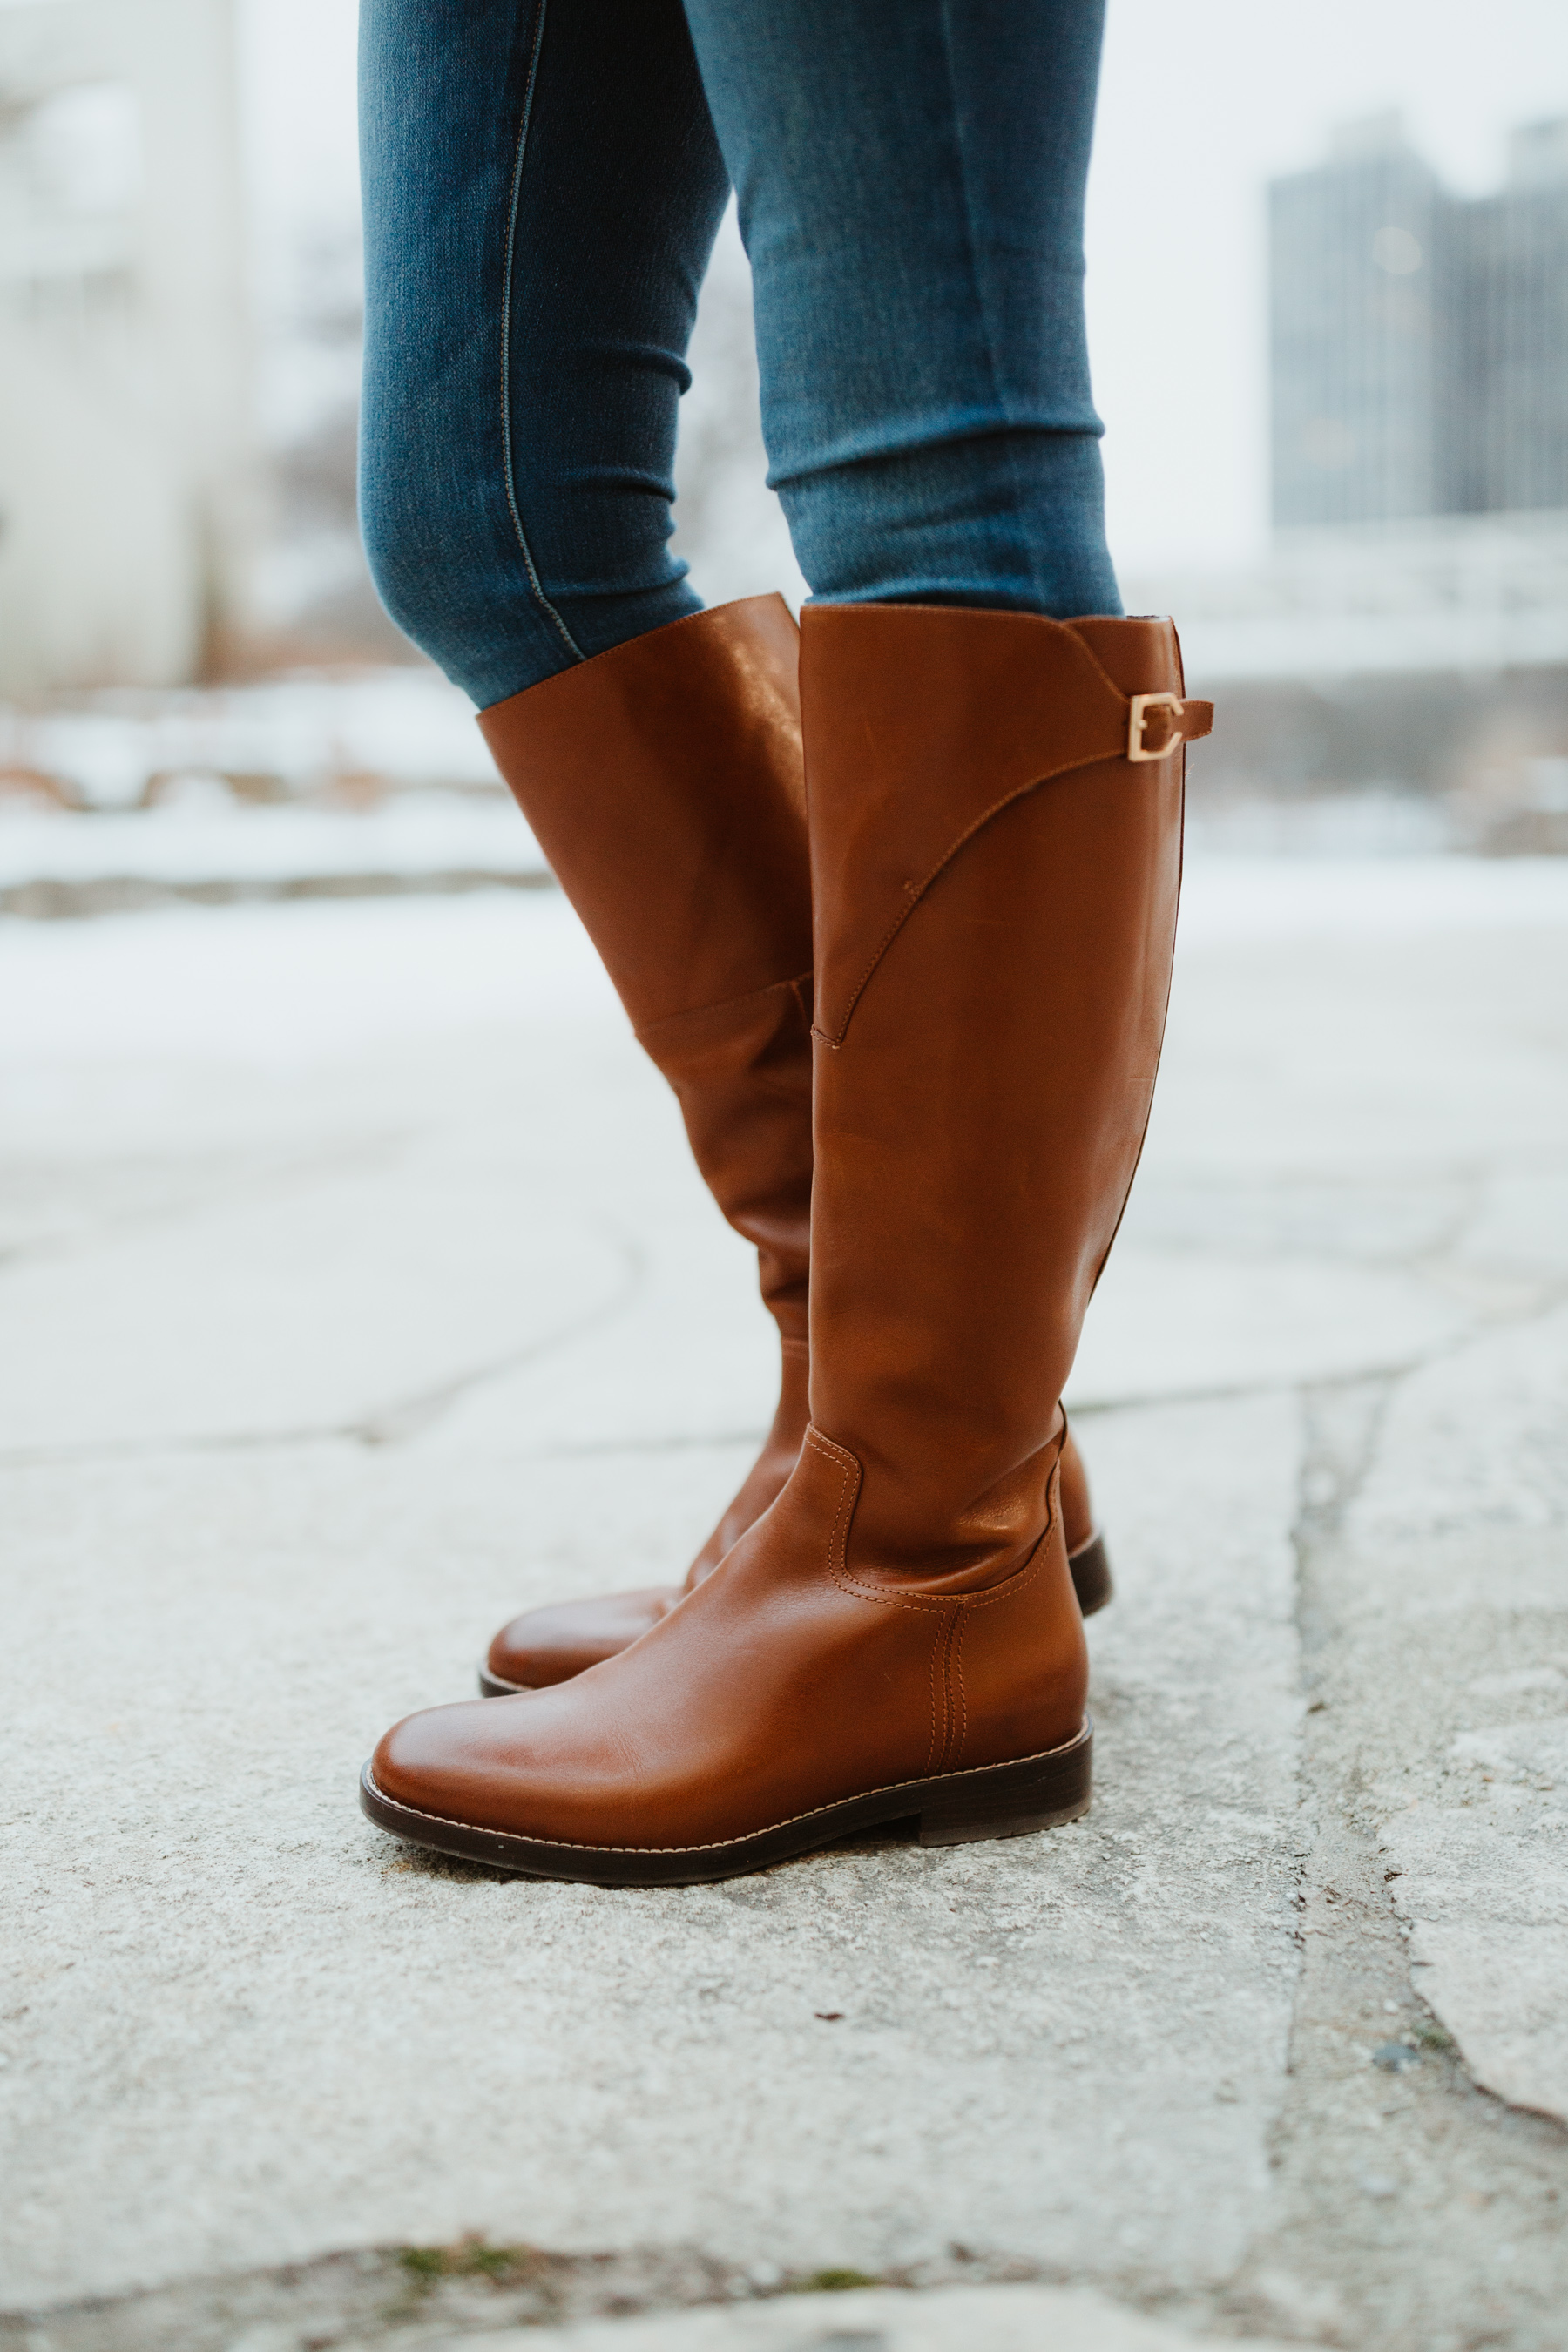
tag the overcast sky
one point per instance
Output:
(1202, 102)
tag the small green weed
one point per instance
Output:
(469, 2258)
(831, 2281)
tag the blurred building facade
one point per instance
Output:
(1507, 441)
(1407, 631)
(126, 439)
(1419, 341)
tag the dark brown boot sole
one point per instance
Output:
(1090, 1567)
(995, 1800)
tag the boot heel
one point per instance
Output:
(1010, 1799)
(1091, 1576)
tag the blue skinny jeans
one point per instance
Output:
(543, 180)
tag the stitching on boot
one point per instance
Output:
(725, 1004)
(715, 1845)
(1016, 1584)
(952, 1743)
(1019, 1581)
(916, 891)
(848, 1487)
(957, 1653)
(1022, 1577)
(1082, 649)
(838, 1566)
(843, 1575)
(935, 1743)
(941, 1714)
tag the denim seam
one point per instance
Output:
(535, 584)
(983, 307)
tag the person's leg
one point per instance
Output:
(542, 191)
(1002, 507)
(994, 820)
(911, 178)
(542, 186)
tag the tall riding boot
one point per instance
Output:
(995, 811)
(663, 782)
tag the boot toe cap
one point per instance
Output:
(447, 1761)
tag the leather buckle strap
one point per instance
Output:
(1185, 722)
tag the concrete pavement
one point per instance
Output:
(357, 1290)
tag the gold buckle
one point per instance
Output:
(1138, 719)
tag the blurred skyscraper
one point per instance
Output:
(1419, 341)
(1408, 630)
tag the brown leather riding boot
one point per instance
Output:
(663, 782)
(995, 833)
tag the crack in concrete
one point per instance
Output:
(50, 899)
(360, 1431)
(392, 1424)
(589, 1449)
(1551, 1294)
(408, 1418)
(398, 1422)
(261, 1183)
(425, 2299)
(395, 1425)
(1409, 2262)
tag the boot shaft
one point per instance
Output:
(663, 781)
(994, 887)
